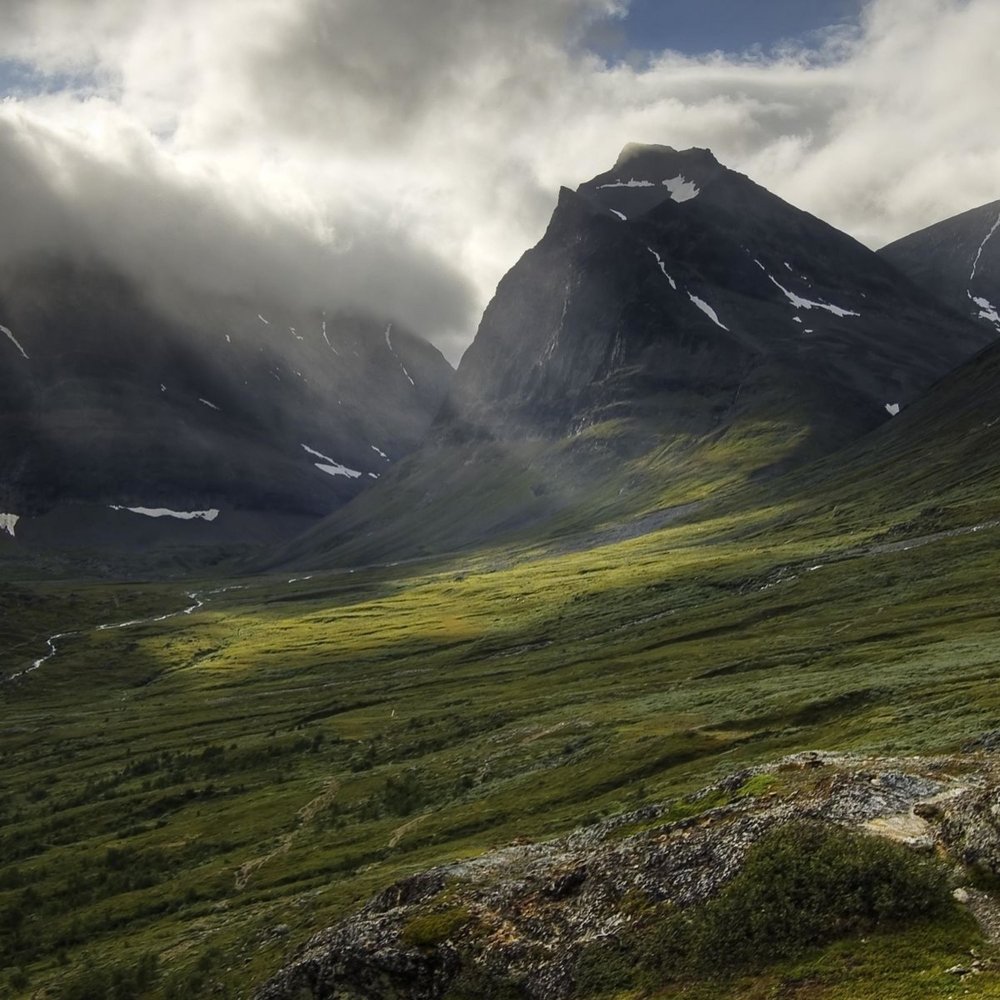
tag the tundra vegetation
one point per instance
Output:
(185, 802)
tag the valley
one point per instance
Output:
(499, 500)
(214, 788)
(675, 529)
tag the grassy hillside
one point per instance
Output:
(212, 788)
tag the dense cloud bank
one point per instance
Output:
(398, 157)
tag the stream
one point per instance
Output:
(53, 640)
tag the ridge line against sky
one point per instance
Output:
(397, 158)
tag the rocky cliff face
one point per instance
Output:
(525, 914)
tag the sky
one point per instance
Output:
(651, 26)
(397, 156)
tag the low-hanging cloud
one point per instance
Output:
(398, 157)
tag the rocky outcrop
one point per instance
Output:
(526, 911)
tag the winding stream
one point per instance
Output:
(53, 640)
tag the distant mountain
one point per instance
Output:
(673, 278)
(677, 328)
(958, 260)
(940, 459)
(125, 422)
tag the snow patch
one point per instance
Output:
(163, 388)
(183, 515)
(621, 215)
(796, 319)
(373, 475)
(892, 409)
(982, 247)
(381, 453)
(798, 302)
(663, 268)
(208, 403)
(327, 338)
(330, 466)
(15, 342)
(266, 322)
(7, 522)
(388, 341)
(630, 183)
(229, 339)
(707, 310)
(987, 310)
(681, 189)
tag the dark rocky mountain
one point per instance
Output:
(958, 260)
(673, 280)
(269, 415)
(677, 328)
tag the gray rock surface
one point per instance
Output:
(532, 907)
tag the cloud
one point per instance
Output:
(399, 157)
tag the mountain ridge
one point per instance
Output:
(265, 412)
(672, 310)
(958, 259)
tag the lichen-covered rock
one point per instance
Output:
(529, 910)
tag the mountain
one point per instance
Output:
(958, 260)
(678, 328)
(671, 276)
(124, 421)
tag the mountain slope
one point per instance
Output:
(269, 414)
(677, 330)
(671, 272)
(938, 464)
(957, 259)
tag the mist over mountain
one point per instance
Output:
(218, 419)
(672, 304)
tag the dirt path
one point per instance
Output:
(303, 817)
(401, 831)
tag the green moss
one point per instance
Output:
(759, 784)
(428, 930)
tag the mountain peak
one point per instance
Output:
(646, 175)
(642, 154)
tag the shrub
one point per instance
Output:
(801, 886)
(806, 884)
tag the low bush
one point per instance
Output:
(807, 884)
(802, 885)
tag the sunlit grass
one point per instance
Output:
(278, 756)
